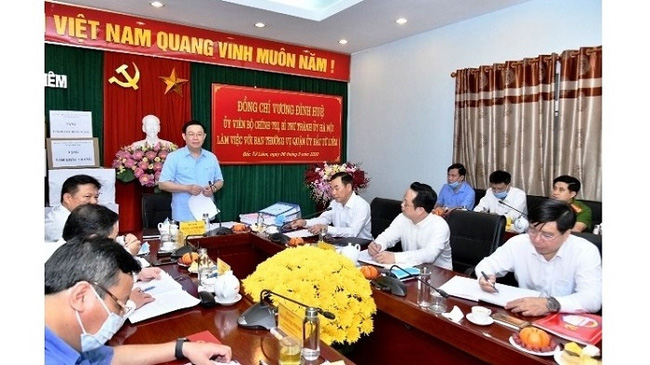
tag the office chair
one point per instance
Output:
(155, 208)
(473, 236)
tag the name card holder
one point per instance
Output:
(192, 228)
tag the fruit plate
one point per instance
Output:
(245, 230)
(557, 356)
(518, 347)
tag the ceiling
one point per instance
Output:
(365, 24)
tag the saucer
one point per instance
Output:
(169, 249)
(481, 322)
(237, 298)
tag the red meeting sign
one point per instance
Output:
(265, 126)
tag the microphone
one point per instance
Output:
(513, 208)
(440, 291)
(221, 230)
(324, 313)
(283, 228)
(263, 314)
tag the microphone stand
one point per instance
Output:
(440, 291)
(326, 314)
(263, 314)
(513, 208)
(221, 230)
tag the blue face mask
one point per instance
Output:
(455, 184)
(110, 326)
(501, 194)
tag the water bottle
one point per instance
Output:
(311, 335)
(424, 291)
(204, 269)
(260, 222)
(206, 220)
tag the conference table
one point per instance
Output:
(403, 332)
(249, 346)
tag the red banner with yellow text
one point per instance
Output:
(264, 126)
(93, 28)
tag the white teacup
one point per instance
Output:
(168, 246)
(481, 313)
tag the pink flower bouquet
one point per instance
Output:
(317, 179)
(143, 163)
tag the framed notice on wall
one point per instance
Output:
(71, 153)
(266, 126)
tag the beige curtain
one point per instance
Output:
(505, 119)
(580, 120)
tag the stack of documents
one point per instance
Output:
(169, 295)
(288, 211)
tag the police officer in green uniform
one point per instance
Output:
(565, 188)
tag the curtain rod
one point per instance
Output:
(453, 74)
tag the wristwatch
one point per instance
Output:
(552, 304)
(178, 352)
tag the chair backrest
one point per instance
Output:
(478, 195)
(155, 208)
(473, 236)
(382, 213)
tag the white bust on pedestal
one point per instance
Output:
(151, 127)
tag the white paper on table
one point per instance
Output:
(228, 224)
(200, 204)
(169, 295)
(364, 256)
(299, 233)
(468, 288)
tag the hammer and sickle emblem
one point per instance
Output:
(130, 81)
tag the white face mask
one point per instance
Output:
(110, 326)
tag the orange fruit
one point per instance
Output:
(369, 272)
(296, 241)
(534, 337)
(189, 257)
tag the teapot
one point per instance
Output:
(351, 251)
(521, 224)
(226, 287)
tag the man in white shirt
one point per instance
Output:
(424, 236)
(76, 190)
(565, 268)
(500, 190)
(349, 215)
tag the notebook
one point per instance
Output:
(468, 288)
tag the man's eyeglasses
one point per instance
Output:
(544, 235)
(123, 308)
(192, 135)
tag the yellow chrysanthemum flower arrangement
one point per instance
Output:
(322, 278)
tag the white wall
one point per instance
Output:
(401, 95)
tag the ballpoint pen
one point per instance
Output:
(494, 285)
